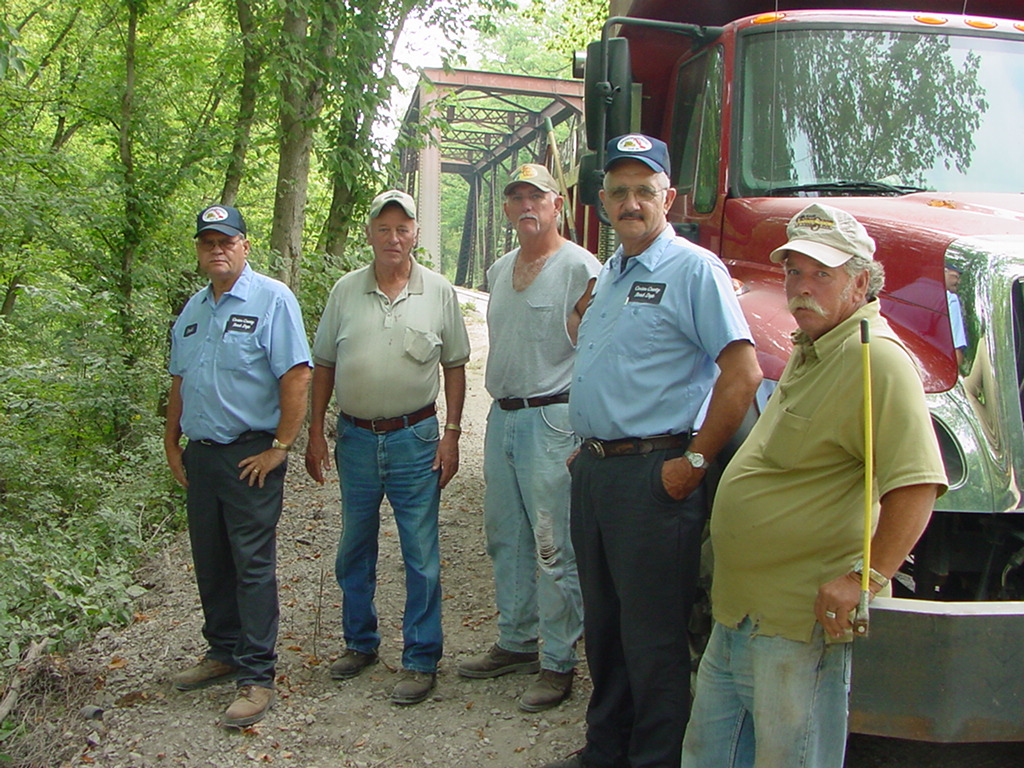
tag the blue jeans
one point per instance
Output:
(769, 702)
(396, 464)
(526, 519)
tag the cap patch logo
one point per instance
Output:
(634, 143)
(214, 214)
(814, 223)
(526, 172)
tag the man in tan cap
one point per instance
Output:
(538, 294)
(384, 332)
(787, 524)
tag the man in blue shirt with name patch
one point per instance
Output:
(664, 331)
(240, 370)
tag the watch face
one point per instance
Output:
(696, 459)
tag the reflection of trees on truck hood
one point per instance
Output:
(906, 108)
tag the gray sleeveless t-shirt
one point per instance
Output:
(530, 352)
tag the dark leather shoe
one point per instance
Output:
(549, 690)
(413, 687)
(496, 662)
(351, 663)
(253, 702)
(206, 672)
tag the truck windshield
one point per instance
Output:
(879, 112)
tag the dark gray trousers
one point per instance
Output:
(234, 548)
(638, 553)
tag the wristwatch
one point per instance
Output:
(281, 446)
(876, 576)
(696, 459)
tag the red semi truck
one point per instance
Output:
(909, 115)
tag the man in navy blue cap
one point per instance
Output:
(663, 338)
(240, 369)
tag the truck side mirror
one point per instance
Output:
(590, 179)
(607, 101)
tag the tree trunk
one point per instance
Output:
(309, 54)
(252, 64)
(132, 230)
(344, 195)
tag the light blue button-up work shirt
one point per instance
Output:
(645, 360)
(231, 353)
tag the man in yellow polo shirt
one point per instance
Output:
(787, 522)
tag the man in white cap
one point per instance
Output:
(788, 519)
(384, 333)
(239, 378)
(538, 294)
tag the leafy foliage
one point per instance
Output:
(119, 120)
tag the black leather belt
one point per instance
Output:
(631, 446)
(380, 426)
(517, 403)
(245, 437)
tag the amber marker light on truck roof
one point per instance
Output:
(1019, 26)
(980, 24)
(768, 18)
(925, 18)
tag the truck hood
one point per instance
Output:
(913, 234)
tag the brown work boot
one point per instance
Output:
(413, 687)
(206, 672)
(549, 690)
(497, 662)
(351, 663)
(253, 702)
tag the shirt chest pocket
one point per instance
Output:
(537, 324)
(785, 445)
(422, 346)
(238, 351)
(636, 330)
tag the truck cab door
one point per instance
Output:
(695, 127)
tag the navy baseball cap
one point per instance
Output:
(221, 218)
(636, 146)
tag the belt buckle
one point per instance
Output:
(595, 447)
(373, 426)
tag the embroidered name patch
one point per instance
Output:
(189, 330)
(241, 323)
(646, 293)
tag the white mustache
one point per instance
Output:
(529, 216)
(805, 302)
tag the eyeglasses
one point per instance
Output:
(643, 193)
(225, 244)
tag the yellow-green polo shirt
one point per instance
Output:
(789, 512)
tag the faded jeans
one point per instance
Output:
(526, 520)
(769, 702)
(397, 464)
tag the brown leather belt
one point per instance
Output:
(517, 403)
(380, 426)
(631, 446)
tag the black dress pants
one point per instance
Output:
(233, 530)
(638, 553)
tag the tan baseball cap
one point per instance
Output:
(393, 196)
(532, 173)
(826, 234)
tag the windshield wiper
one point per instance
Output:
(845, 188)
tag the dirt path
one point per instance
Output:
(318, 722)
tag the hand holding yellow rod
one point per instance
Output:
(860, 621)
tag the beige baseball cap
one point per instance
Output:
(532, 173)
(826, 234)
(393, 196)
